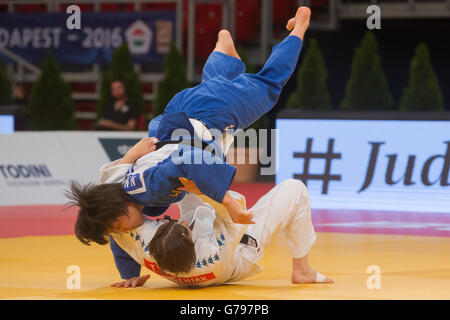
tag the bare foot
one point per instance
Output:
(300, 23)
(225, 44)
(309, 277)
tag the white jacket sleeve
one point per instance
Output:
(206, 245)
(117, 173)
(220, 209)
(113, 172)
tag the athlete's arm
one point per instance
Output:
(127, 266)
(144, 146)
(189, 186)
(237, 213)
(233, 206)
(158, 185)
(212, 176)
(116, 171)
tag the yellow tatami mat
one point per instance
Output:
(411, 268)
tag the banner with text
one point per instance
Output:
(399, 165)
(30, 36)
(37, 167)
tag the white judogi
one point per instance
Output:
(215, 240)
(221, 257)
(286, 208)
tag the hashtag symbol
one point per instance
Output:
(326, 177)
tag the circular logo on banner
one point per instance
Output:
(139, 37)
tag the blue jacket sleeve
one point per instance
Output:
(213, 178)
(157, 186)
(127, 266)
(211, 175)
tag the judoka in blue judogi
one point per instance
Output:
(227, 97)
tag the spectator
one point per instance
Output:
(121, 115)
(20, 101)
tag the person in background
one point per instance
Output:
(122, 115)
(20, 97)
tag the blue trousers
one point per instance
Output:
(229, 97)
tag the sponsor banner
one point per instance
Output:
(37, 167)
(30, 36)
(400, 165)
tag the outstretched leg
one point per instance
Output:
(286, 207)
(229, 98)
(224, 60)
(242, 100)
(299, 24)
(264, 88)
(225, 44)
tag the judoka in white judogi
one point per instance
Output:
(226, 251)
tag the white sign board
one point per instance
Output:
(400, 165)
(37, 167)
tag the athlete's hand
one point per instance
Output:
(236, 212)
(144, 146)
(140, 149)
(133, 282)
(189, 186)
(241, 216)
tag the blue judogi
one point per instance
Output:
(226, 98)
(127, 266)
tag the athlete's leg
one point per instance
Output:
(239, 102)
(223, 63)
(224, 60)
(298, 231)
(266, 85)
(298, 26)
(286, 207)
(225, 44)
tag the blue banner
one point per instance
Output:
(30, 36)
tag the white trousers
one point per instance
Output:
(287, 208)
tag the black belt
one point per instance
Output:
(191, 142)
(249, 240)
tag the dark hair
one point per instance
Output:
(173, 248)
(118, 80)
(100, 206)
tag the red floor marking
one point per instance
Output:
(18, 221)
(40, 220)
(382, 222)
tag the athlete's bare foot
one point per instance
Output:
(303, 273)
(225, 44)
(300, 23)
(310, 277)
